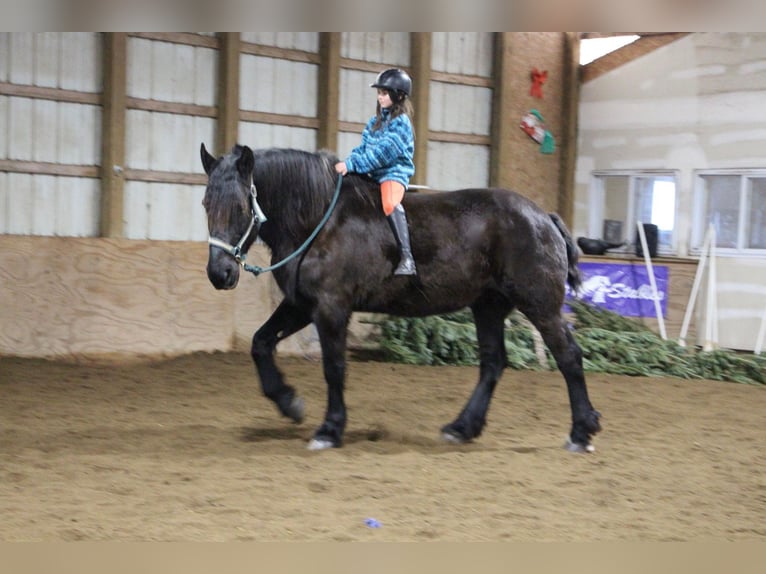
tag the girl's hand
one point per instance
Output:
(341, 168)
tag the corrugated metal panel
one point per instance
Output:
(357, 100)
(21, 54)
(164, 211)
(20, 128)
(459, 108)
(81, 62)
(346, 142)
(77, 206)
(44, 130)
(165, 142)
(78, 134)
(20, 203)
(306, 41)
(171, 72)
(269, 85)
(454, 166)
(5, 55)
(462, 53)
(258, 135)
(4, 131)
(46, 52)
(48, 205)
(5, 193)
(385, 47)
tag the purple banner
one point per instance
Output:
(623, 288)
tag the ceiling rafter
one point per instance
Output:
(648, 42)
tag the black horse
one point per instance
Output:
(491, 250)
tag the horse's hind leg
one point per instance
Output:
(286, 320)
(568, 356)
(489, 315)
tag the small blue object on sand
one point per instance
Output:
(372, 523)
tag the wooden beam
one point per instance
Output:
(421, 71)
(570, 101)
(502, 109)
(328, 90)
(623, 55)
(227, 129)
(113, 134)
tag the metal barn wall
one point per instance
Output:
(49, 121)
(99, 139)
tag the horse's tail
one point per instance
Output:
(573, 272)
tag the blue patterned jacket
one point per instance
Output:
(386, 153)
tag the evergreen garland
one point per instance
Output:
(610, 344)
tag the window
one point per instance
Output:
(619, 199)
(734, 203)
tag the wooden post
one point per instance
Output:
(113, 134)
(328, 90)
(570, 102)
(227, 129)
(421, 72)
(502, 109)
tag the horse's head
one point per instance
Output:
(233, 215)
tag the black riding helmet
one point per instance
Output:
(396, 81)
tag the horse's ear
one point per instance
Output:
(246, 163)
(207, 159)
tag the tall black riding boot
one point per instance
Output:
(398, 222)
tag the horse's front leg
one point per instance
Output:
(286, 320)
(332, 327)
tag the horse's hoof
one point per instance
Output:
(296, 410)
(320, 444)
(453, 438)
(577, 447)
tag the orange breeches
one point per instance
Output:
(391, 194)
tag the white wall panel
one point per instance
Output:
(138, 127)
(171, 72)
(22, 59)
(166, 142)
(139, 68)
(44, 126)
(258, 136)
(357, 100)
(20, 128)
(4, 199)
(79, 134)
(389, 48)
(48, 205)
(135, 208)
(467, 53)
(306, 41)
(44, 205)
(77, 206)
(4, 129)
(460, 108)
(164, 211)
(453, 166)
(47, 51)
(271, 85)
(20, 203)
(81, 62)
(5, 55)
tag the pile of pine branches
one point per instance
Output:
(610, 343)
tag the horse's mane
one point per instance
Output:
(295, 187)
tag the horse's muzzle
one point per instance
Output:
(223, 273)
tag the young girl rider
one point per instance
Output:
(385, 154)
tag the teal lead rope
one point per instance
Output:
(256, 270)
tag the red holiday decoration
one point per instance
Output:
(538, 79)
